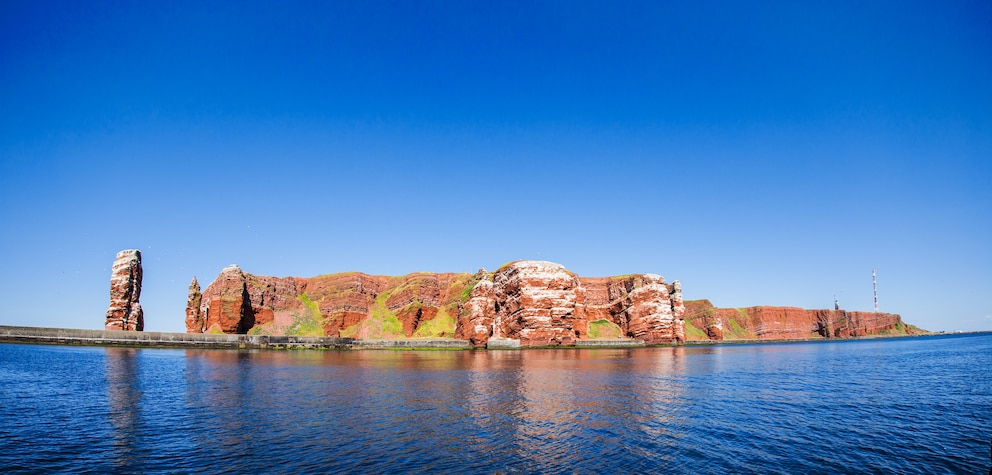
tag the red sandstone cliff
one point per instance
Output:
(542, 303)
(770, 323)
(347, 304)
(539, 303)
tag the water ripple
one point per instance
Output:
(893, 406)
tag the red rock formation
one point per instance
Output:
(772, 323)
(475, 322)
(194, 317)
(535, 302)
(542, 303)
(539, 303)
(339, 303)
(226, 305)
(125, 290)
(643, 305)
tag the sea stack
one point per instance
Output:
(194, 316)
(125, 291)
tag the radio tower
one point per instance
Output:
(874, 285)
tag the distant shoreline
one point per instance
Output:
(116, 338)
(825, 340)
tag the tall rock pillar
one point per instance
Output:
(194, 316)
(125, 290)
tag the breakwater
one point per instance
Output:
(80, 337)
(68, 336)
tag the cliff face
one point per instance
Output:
(539, 303)
(125, 311)
(349, 304)
(536, 302)
(770, 323)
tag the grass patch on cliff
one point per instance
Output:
(380, 324)
(737, 330)
(349, 332)
(310, 305)
(694, 334)
(504, 266)
(903, 329)
(441, 326)
(604, 329)
(309, 322)
(262, 330)
(466, 292)
(461, 287)
(305, 325)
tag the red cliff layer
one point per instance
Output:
(704, 321)
(539, 303)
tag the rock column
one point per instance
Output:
(125, 290)
(194, 316)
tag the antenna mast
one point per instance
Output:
(874, 285)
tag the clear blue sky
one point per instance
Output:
(763, 153)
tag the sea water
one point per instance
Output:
(912, 405)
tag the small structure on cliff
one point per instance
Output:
(125, 290)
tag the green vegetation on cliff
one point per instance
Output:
(694, 334)
(442, 325)
(382, 323)
(738, 327)
(309, 322)
(604, 329)
(903, 329)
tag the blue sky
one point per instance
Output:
(763, 153)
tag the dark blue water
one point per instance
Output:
(921, 405)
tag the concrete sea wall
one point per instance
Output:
(68, 336)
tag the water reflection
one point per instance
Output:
(124, 396)
(496, 404)
(555, 408)
(229, 402)
(825, 408)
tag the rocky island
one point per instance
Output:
(521, 304)
(529, 303)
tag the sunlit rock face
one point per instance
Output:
(475, 322)
(543, 304)
(774, 323)
(349, 304)
(536, 302)
(642, 305)
(226, 306)
(125, 290)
